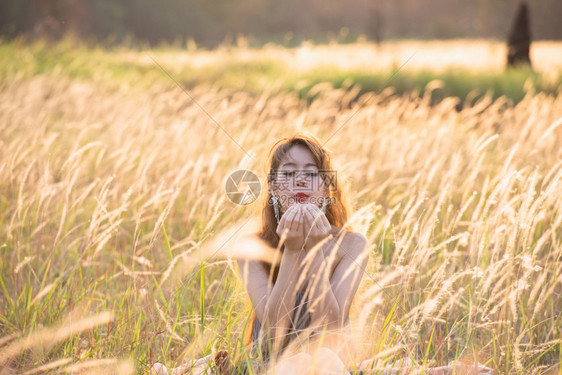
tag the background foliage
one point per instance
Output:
(215, 21)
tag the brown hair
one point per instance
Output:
(337, 211)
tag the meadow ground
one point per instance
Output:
(115, 228)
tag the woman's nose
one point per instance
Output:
(300, 180)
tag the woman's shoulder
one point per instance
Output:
(250, 246)
(248, 236)
(352, 237)
(252, 237)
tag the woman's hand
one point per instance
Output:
(316, 226)
(321, 232)
(291, 228)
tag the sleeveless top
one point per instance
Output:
(301, 319)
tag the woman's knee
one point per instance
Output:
(325, 351)
(294, 364)
(300, 357)
(326, 361)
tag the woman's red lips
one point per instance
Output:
(301, 197)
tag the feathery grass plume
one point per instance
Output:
(53, 335)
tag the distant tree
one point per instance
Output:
(519, 41)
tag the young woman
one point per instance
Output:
(321, 260)
(310, 284)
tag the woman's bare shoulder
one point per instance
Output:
(357, 236)
(351, 238)
(249, 236)
(252, 249)
(252, 240)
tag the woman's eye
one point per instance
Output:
(287, 173)
(312, 173)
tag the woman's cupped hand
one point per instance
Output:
(303, 226)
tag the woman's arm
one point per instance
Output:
(348, 273)
(323, 305)
(331, 295)
(332, 292)
(273, 304)
(279, 307)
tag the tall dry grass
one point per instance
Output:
(109, 199)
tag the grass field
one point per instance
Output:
(468, 69)
(115, 228)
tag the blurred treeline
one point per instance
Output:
(209, 22)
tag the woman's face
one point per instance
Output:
(297, 179)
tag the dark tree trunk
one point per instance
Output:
(519, 41)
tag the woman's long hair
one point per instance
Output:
(337, 211)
